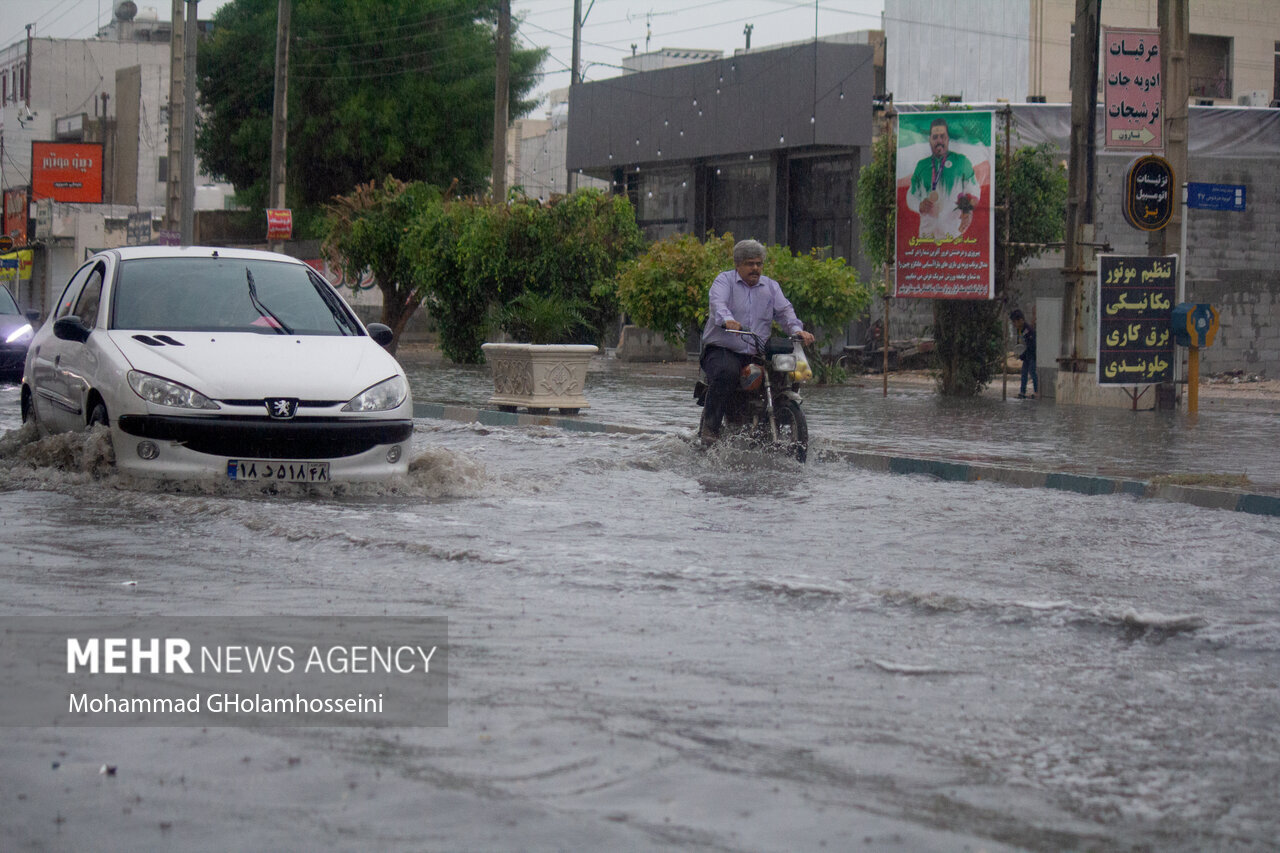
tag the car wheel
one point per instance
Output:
(29, 408)
(98, 415)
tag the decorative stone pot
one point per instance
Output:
(539, 377)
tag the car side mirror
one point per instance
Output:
(381, 334)
(33, 316)
(70, 328)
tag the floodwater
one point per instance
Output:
(655, 647)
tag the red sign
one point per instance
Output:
(67, 171)
(279, 225)
(1131, 85)
(15, 216)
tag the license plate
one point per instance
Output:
(278, 471)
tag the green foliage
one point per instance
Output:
(376, 88)
(665, 290)
(472, 258)
(825, 292)
(1037, 201)
(544, 318)
(967, 344)
(877, 202)
(365, 231)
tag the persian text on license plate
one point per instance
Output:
(279, 471)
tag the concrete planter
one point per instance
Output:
(539, 377)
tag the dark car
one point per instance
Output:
(16, 330)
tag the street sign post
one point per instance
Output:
(1216, 196)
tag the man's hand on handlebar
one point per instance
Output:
(805, 337)
(732, 325)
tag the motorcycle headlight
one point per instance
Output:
(162, 392)
(18, 334)
(382, 397)
(784, 363)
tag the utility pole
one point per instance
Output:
(280, 107)
(1173, 19)
(746, 31)
(575, 76)
(500, 95)
(1084, 98)
(173, 182)
(189, 125)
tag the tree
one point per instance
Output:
(519, 264)
(968, 335)
(366, 231)
(376, 88)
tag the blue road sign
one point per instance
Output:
(1216, 196)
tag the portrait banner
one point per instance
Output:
(945, 228)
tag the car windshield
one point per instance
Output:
(213, 294)
(7, 305)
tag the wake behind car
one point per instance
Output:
(214, 362)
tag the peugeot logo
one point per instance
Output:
(282, 408)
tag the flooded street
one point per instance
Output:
(655, 647)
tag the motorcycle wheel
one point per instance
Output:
(793, 430)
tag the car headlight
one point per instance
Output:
(18, 334)
(162, 392)
(386, 395)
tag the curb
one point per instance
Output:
(962, 472)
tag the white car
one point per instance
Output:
(231, 363)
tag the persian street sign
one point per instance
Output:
(1148, 193)
(1216, 196)
(67, 171)
(1131, 89)
(1135, 306)
(279, 224)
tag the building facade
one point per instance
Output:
(112, 91)
(766, 144)
(1016, 50)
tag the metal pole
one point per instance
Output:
(889, 115)
(1008, 274)
(280, 107)
(189, 125)
(500, 96)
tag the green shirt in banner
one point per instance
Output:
(951, 189)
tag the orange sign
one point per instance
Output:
(67, 171)
(15, 216)
(279, 224)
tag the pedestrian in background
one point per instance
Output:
(1028, 334)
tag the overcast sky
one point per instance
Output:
(610, 29)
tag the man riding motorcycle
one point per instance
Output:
(740, 299)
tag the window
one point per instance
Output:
(1209, 69)
(87, 305)
(72, 291)
(740, 201)
(661, 200)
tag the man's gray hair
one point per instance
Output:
(746, 250)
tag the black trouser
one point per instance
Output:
(722, 367)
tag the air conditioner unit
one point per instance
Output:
(1253, 99)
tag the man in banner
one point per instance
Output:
(943, 187)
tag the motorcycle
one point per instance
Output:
(765, 406)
